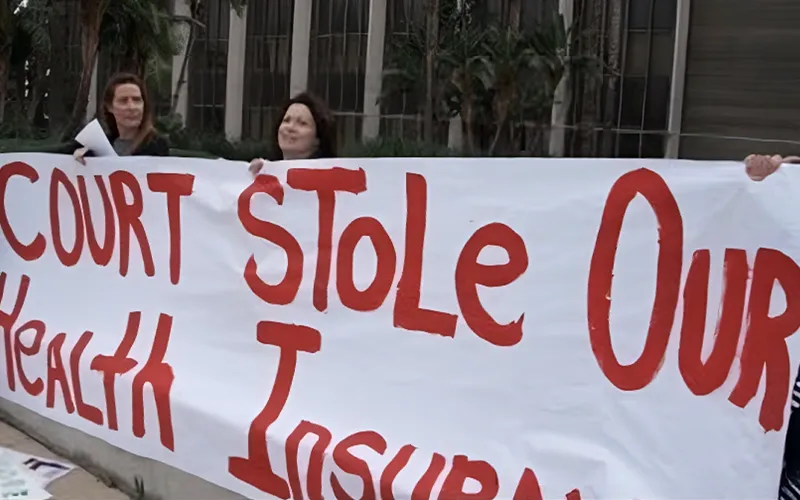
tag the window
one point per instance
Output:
(268, 56)
(644, 96)
(208, 69)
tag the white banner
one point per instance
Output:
(411, 328)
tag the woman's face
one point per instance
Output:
(297, 135)
(127, 106)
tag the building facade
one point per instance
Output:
(682, 78)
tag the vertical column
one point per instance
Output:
(561, 98)
(373, 73)
(91, 106)
(678, 80)
(301, 44)
(181, 8)
(234, 84)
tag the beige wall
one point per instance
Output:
(742, 78)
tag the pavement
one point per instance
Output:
(77, 485)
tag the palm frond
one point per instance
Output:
(140, 30)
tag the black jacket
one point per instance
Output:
(153, 145)
(790, 478)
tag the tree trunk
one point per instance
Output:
(6, 41)
(20, 83)
(90, 43)
(431, 56)
(58, 95)
(468, 116)
(5, 66)
(84, 88)
(496, 139)
(515, 14)
(176, 93)
(33, 103)
(37, 82)
(195, 12)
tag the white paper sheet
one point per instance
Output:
(44, 470)
(16, 481)
(93, 137)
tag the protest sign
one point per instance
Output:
(410, 328)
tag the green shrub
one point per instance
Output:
(187, 153)
(30, 145)
(172, 127)
(14, 128)
(184, 144)
(396, 147)
(207, 145)
(248, 149)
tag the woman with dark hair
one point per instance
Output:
(128, 117)
(305, 131)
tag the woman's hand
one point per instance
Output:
(80, 155)
(256, 165)
(759, 167)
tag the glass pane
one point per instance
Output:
(653, 145)
(338, 8)
(637, 57)
(639, 14)
(664, 14)
(628, 145)
(353, 95)
(357, 14)
(657, 105)
(632, 100)
(645, 51)
(661, 54)
(338, 55)
(269, 27)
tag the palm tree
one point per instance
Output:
(510, 53)
(469, 71)
(406, 73)
(432, 60)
